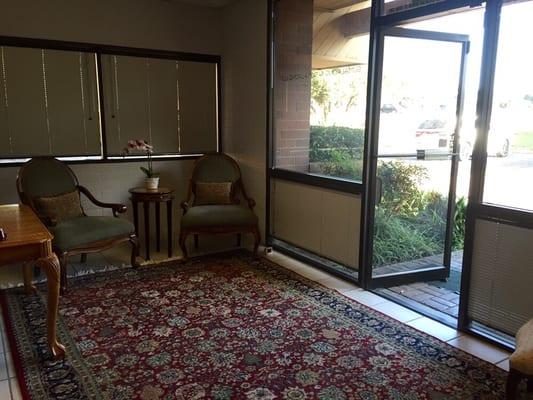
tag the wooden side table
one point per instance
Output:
(157, 196)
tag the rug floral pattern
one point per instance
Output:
(225, 328)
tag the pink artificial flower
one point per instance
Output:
(138, 144)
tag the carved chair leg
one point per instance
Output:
(196, 244)
(83, 258)
(134, 241)
(63, 264)
(239, 239)
(182, 239)
(257, 236)
(513, 380)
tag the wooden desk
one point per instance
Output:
(29, 241)
(158, 196)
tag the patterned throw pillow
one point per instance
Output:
(59, 207)
(213, 193)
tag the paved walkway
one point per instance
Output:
(441, 296)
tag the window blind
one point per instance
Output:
(502, 273)
(172, 104)
(48, 103)
(198, 106)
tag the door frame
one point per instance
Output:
(371, 282)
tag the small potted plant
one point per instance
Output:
(152, 178)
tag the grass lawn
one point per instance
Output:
(523, 141)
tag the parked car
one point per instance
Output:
(435, 136)
(388, 108)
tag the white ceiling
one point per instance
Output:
(206, 3)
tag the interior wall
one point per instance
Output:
(244, 66)
(152, 24)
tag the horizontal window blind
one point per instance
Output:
(48, 103)
(171, 104)
(502, 273)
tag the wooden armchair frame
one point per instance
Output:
(94, 247)
(223, 229)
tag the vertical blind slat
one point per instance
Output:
(164, 121)
(502, 271)
(72, 132)
(26, 102)
(44, 105)
(198, 106)
(172, 104)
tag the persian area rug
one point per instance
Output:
(227, 327)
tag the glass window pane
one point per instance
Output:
(321, 55)
(510, 142)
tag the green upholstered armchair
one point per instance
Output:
(236, 217)
(52, 180)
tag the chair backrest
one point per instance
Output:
(43, 177)
(216, 167)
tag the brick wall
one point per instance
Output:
(292, 93)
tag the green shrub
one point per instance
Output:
(400, 183)
(342, 166)
(328, 141)
(459, 224)
(398, 239)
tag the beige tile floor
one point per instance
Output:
(9, 388)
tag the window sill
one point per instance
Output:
(17, 162)
(322, 181)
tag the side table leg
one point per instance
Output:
(136, 220)
(27, 270)
(146, 206)
(169, 228)
(158, 225)
(50, 265)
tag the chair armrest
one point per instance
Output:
(251, 202)
(185, 206)
(115, 207)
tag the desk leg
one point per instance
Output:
(27, 270)
(169, 228)
(146, 206)
(50, 265)
(158, 225)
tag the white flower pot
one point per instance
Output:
(151, 183)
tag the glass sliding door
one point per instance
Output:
(418, 151)
(496, 289)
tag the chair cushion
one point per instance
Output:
(213, 193)
(59, 207)
(522, 358)
(81, 231)
(217, 216)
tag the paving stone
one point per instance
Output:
(435, 305)
(456, 301)
(448, 304)
(450, 296)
